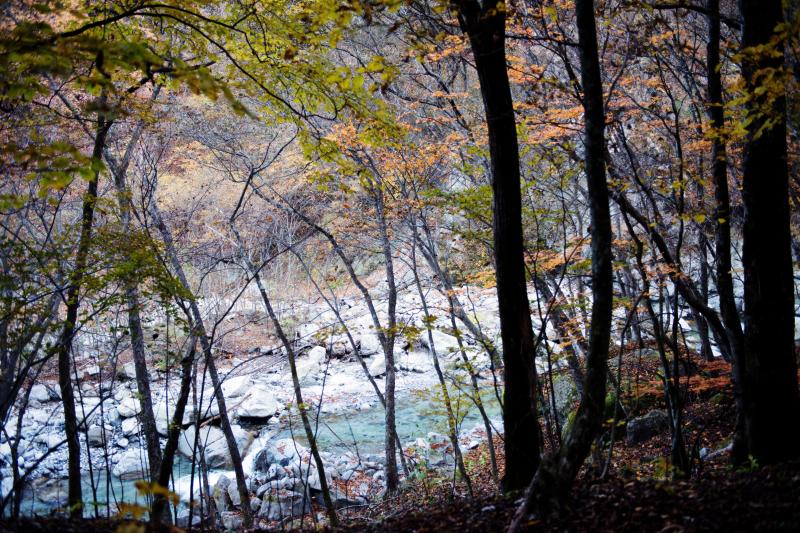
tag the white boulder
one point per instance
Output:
(130, 426)
(236, 387)
(443, 342)
(316, 354)
(377, 367)
(370, 344)
(40, 393)
(90, 371)
(259, 403)
(128, 371)
(96, 436)
(212, 440)
(164, 413)
(306, 368)
(128, 407)
(131, 465)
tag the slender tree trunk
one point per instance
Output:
(589, 416)
(23, 406)
(165, 471)
(485, 27)
(75, 496)
(476, 390)
(670, 379)
(351, 340)
(456, 311)
(451, 419)
(431, 256)
(205, 344)
(392, 478)
(554, 479)
(11, 380)
(769, 369)
(298, 392)
(722, 217)
(559, 319)
(387, 343)
(702, 326)
(146, 415)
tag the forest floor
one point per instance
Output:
(766, 499)
(637, 494)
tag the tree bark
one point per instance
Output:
(392, 478)
(589, 416)
(722, 213)
(485, 27)
(428, 248)
(771, 427)
(683, 284)
(554, 479)
(298, 392)
(165, 471)
(146, 415)
(392, 481)
(205, 344)
(448, 405)
(75, 495)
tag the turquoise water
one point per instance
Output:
(416, 415)
(50, 496)
(362, 431)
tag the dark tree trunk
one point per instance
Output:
(589, 416)
(388, 340)
(556, 475)
(165, 468)
(771, 428)
(702, 326)
(75, 495)
(146, 415)
(722, 213)
(205, 345)
(485, 27)
(302, 408)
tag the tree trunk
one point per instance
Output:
(205, 344)
(356, 349)
(146, 416)
(75, 496)
(589, 416)
(445, 286)
(771, 427)
(165, 471)
(556, 475)
(448, 405)
(385, 335)
(722, 215)
(392, 479)
(485, 27)
(298, 392)
(702, 326)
